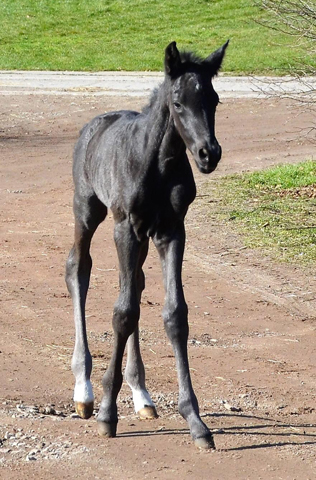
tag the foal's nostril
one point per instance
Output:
(203, 154)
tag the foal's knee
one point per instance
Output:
(176, 321)
(125, 320)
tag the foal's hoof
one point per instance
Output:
(147, 413)
(107, 429)
(205, 443)
(84, 410)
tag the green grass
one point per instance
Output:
(132, 34)
(274, 210)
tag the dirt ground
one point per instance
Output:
(252, 321)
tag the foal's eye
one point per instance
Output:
(177, 105)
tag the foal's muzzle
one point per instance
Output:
(208, 158)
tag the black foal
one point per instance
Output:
(136, 165)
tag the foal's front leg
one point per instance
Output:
(175, 316)
(125, 321)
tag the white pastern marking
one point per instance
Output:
(141, 399)
(83, 392)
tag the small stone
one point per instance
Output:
(49, 410)
(30, 458)
(231, 408)
(40, 445)
(6, 450)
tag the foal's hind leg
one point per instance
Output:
(176, 324)
(135, 370)
(89, 213)
(135, 377)
(125, 320)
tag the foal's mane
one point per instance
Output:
(152, 100)
(190, 62)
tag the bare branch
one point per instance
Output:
(297, 19)
(293, 17)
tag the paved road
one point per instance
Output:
(137, 84)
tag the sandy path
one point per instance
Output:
(251, 341)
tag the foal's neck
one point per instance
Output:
(164, 142)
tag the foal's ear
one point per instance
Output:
(172, 59)
(214, 61)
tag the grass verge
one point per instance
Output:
(274, 210)
(132, 34)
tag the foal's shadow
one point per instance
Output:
(301, 434)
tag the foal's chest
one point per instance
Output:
(158, 208)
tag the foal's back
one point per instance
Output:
(101, 151)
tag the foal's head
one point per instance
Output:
(193, 101)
